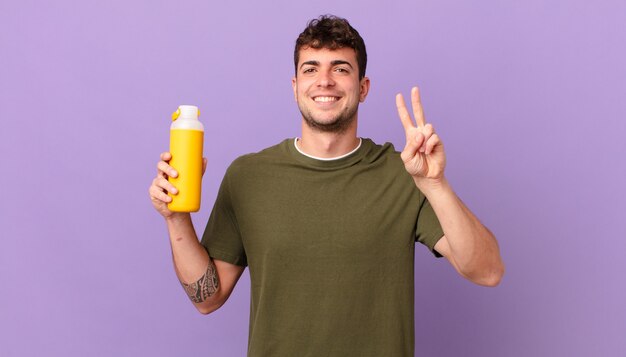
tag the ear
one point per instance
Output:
(294, 86)
(364, 89)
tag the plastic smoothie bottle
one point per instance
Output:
(186, 141)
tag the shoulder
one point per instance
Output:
(259, 160)
(378, 153)
(385, 160)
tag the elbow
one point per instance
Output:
(492, 278)
(207, 307)
(491, 281)
(489, 277)
(205, 310)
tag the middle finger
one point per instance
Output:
(416, 103)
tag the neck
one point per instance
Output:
(327, 145)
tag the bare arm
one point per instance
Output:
(469, 246)
(208, 283)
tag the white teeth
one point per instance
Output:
(325, 99)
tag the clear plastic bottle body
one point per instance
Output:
(186, 147)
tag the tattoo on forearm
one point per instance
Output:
(203, 288)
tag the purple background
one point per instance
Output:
(527, 96)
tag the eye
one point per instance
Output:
(341, 70)
(308, 70)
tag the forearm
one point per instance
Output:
(472, 246)
(194, 268)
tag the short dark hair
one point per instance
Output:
(331, 32)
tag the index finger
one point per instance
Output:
(405, 117)
(416, 103)
(165, 170)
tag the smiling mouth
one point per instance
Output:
(325, 99)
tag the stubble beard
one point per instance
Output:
(337, 125)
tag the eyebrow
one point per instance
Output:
(317, 63)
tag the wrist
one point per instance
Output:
(431, 186)
(177, 218)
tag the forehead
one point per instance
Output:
(325, 55)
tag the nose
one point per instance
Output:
(325, 79)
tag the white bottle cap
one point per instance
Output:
(188, 112)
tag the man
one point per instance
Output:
(327, 222)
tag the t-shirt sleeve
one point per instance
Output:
(221, 237)
(428, 230)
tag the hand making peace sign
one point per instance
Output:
(423, 155)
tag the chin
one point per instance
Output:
(331, 121)
(330, 126)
